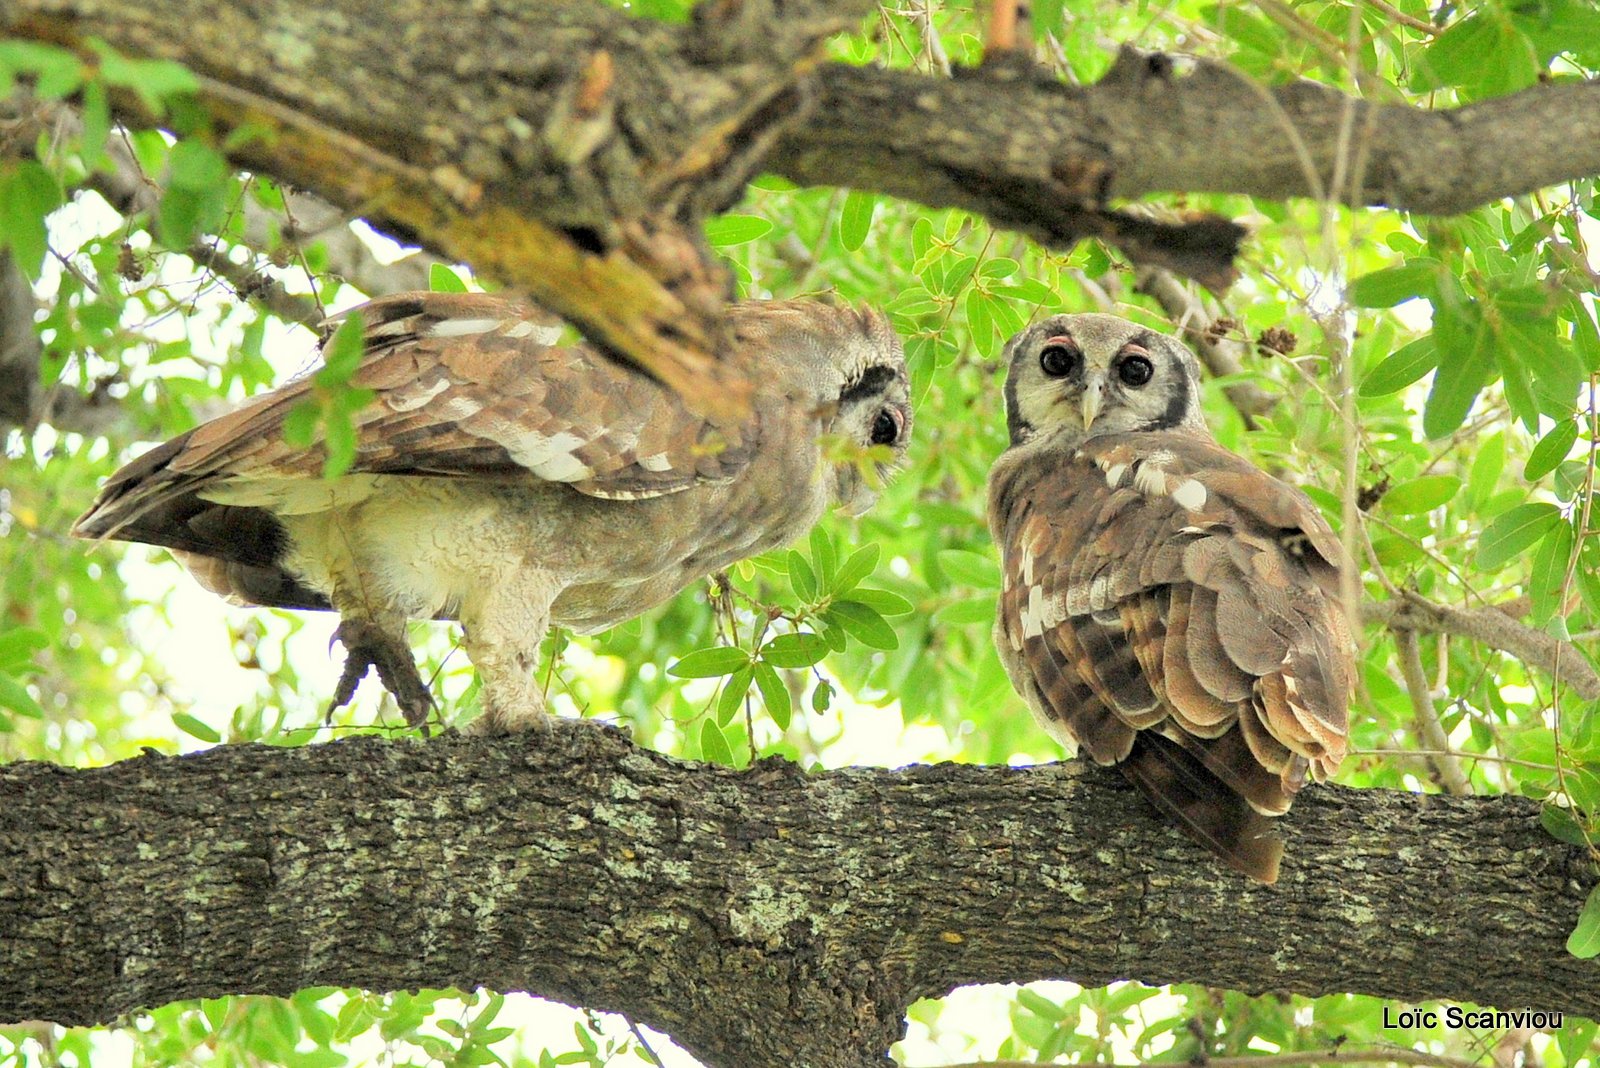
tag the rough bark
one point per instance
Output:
(762, 917)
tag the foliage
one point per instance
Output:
(1451, 364)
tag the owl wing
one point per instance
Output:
(1177, 611)
(464, 385)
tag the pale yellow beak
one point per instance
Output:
(1093, 398)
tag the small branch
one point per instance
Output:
(1221, 356)
(1429, 728)
(1495, 628)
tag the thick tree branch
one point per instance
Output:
(571, 151)
(1145, 127)
(566, 149)
(764, 917)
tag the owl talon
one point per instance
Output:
(369, 646)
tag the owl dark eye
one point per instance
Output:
(1057, 360)
(1135, 371)
(886, 427)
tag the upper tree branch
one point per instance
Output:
(570, 151)
(1029, 151)
(764, 917)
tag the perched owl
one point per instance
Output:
(1167, 606)
(512, 485)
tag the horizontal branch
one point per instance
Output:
(762, 917)
(1026, 150)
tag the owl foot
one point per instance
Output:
(498, 720)
(369, 646)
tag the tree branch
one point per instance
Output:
(764, 917)
(1495, 627)
(1145, 128)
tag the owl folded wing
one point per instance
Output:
(1178, 611)
(464, 385)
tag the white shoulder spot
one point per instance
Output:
(458, 327)
(655, 462)
(542, 334)
(1114, 473)
(1190, 494)
(1033, 613)
(1149, 478)
(549, 456)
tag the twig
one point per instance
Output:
(1494, 627)
(1428, 726)
(1221, 357)
(1394, 14)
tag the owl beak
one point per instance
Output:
(1093, 398)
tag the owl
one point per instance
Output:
(1166, 606)
(511, 484)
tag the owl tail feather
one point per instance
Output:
(1210, 812)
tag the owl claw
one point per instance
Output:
(368, 646)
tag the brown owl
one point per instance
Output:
(510, 484)
(1167, 606)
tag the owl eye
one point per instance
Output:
(1057, 360)
(1135, 371)
(886, 427)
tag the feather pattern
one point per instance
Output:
(1228, 659)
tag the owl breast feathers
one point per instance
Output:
(511, 484)
(1167, 606)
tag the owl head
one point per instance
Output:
(1083, 376)
(856, 381)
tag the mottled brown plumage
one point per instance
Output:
(510, 484)
(1166, 605)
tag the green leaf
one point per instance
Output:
(1395, 285)
(801, 577)
(732, 695)
(300, 425)
(728, 230)
(1040, 1005)
(189, 725)
(1462, 374)
(821, 696)
(15, 696)
(774, 694)
(339, 439)
(710, 663)
(967, 612)
(1584, 942)
(341, 356)
(881, 601)
(96, 126)
(1514, 531)
(1401, 368)
(713, 745)
(193, 165)
(855, 218)
(18, 645)
(862, 562)
(823, 556)
(1551, 450)
(1421, 494)
(864, 623)
(794, 650)
(28, 194)
(1548, 572)
(442, 279)
(1560, 825)
(978, 570)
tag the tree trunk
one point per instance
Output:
(762, 917)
